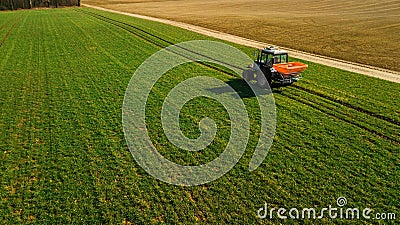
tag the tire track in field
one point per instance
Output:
(348, 105)
(298, 99)
(10, 30)
(149, 40)
(317, 104)
(326, 110)
(6, 23)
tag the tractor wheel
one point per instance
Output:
(262, 82)
(247, 75)
(268, 75)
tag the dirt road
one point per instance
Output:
(376, 72)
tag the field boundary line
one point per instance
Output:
(359, 68)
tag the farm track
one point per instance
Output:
(147, 36)
(9, 31)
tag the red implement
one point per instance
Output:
(290, 68)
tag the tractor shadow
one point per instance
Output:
(244, 90)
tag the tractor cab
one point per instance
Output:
(270, 56)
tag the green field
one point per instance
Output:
(64, 159)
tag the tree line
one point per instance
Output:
(28, 4)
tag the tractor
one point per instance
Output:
(272, 65)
